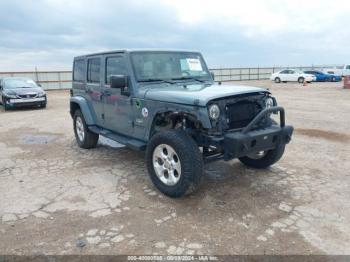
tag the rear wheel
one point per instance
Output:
(333, 79)
(301, 80)
(85, 138)
(174, 163)
(277, 80)
(263, 159)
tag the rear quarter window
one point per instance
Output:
(79, 70)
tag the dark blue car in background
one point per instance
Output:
(323, 77)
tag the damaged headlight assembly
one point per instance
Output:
(214, 111)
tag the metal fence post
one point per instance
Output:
(59, 80)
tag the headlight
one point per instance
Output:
(41, 94)
(10, 95)
(214, 112)
(269, 102)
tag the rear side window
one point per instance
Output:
(94, 65)
(115, 66)
(79, 70)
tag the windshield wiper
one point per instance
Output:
(156, 80)
(189, 78)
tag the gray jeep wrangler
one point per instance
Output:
(166, 103)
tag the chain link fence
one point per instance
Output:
(63, 79)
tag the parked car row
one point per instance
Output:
(20, 92)
(294, 75)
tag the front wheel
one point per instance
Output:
(85, 138)
(5, 105)
(263, 159)
(301, 80)
(174, 163)
(277, 80)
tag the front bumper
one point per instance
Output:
(250, 140)
(16, 102)
(310, 79)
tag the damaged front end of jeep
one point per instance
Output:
(242, 125)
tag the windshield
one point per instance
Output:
(19, 83)
(154, 66)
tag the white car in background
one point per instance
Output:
(292, 75)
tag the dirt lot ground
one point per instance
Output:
(56, 198)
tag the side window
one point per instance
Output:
(94, 67)
(79, 71)
(115, 66)
(291, 72)
(284, 72)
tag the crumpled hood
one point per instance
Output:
(23, 91)
(196, 94)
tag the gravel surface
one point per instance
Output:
(56, 198)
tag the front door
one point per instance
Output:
(117, 106)
(293, 76)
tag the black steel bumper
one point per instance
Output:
(250, 140)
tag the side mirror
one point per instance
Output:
(120, 81)
(212, 75)
(39, 84)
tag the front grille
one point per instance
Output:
(27, 96)
(240, 114)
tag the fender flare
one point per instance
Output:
(84, 108)
(149, 127)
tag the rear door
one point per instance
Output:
(119, 115)
(283, 75)
(94, 88)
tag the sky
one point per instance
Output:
(47, 34)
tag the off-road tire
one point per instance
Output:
(90, 139)
(269, 159)
(190, 159)
(277, 80)
(301, 80)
